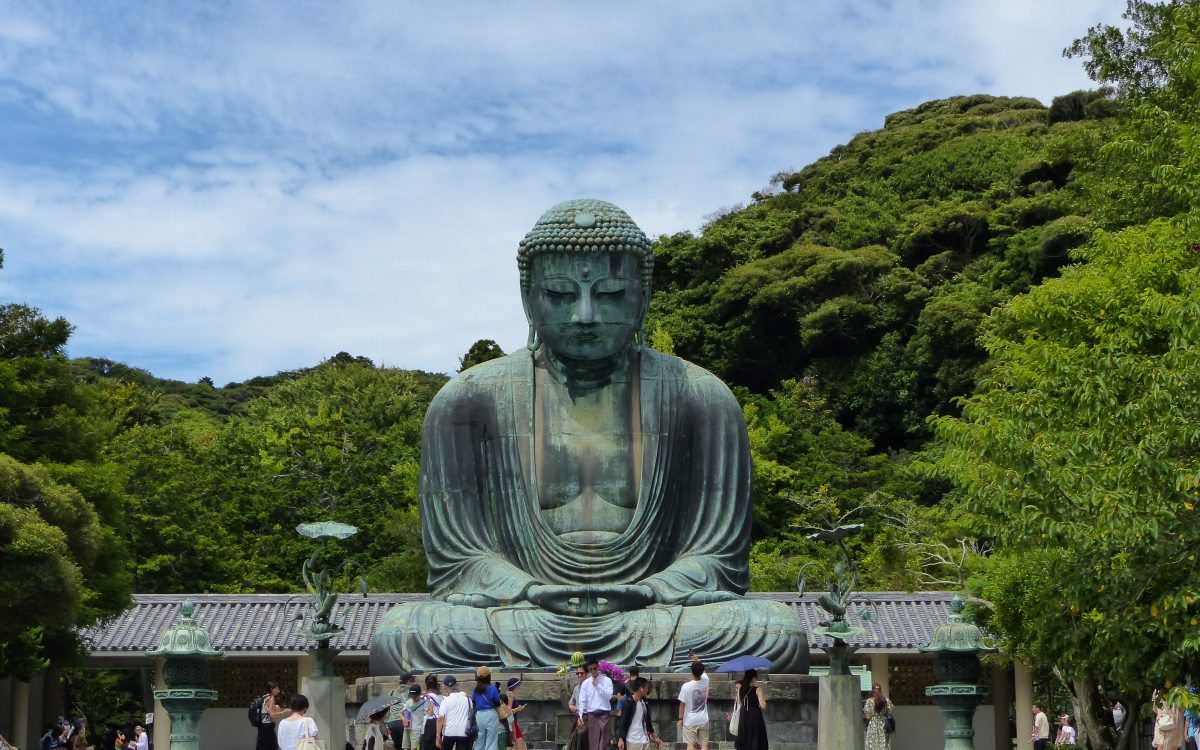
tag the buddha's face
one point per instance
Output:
(586, 306)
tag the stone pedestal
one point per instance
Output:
(791, 707)
(840, 723)
(327, 706)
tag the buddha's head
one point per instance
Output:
(585, 280)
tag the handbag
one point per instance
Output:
(306, 741)
(889, 724)
(737, 712)
(1166, 722)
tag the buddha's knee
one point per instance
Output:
(724, 630)
(414, 636)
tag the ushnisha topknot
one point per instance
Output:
(585, 226)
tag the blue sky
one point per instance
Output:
(229, 189)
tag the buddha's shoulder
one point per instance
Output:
(485, 377)
(694, 377)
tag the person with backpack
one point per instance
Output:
(399, 718)
(265, 713)
(425, 713)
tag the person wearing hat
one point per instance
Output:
(454, 718)
(1066, 732)
(486, 698)
(397, 719)
(406, 732)
(516, 736)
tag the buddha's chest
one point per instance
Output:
(587, 451)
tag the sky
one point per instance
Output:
(230, 189)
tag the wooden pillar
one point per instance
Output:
(881, 673)
(162, 721)
(1023, 710)
(1000, 724)
(20, 713)
(53, 702)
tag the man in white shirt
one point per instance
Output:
(1041, 728)
(693, 708)
(454, 717)
(595, 706)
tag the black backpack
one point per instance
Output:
(254, 713)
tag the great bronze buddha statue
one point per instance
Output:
(586, 493)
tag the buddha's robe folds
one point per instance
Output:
(484, 533)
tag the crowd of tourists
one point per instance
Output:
(1173, 728)
(441, 715)
(74, 736)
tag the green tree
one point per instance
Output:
(808, 468)
(58, 427)
(216, 502)
(1080, 453)
(49, 535)
(481, 351)
(1152, 166)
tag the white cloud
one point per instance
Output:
(231, 190)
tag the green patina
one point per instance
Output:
(186, 650)
(586, 493)
(957, 644)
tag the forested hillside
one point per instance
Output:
(846, 303)
(975, 330)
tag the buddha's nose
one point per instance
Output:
(585, 311)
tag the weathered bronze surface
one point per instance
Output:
(585, 493)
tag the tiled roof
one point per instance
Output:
(239, 622)
(242, 623)
(899, 620)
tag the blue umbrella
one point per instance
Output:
(742, 663)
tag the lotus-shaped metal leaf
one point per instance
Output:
(327, 530)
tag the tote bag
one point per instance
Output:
(306, 741)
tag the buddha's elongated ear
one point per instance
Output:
(532, 342)
(639, 337)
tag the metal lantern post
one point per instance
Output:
(186, 650)
(957, 645)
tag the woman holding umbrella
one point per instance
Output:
(751, 703)
(373, 740)
(374, 712)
